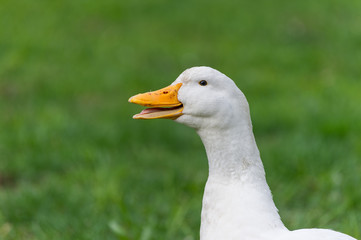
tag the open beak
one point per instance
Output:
(162, 103)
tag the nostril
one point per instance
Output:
(165, 92)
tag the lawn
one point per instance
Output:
(75, 165)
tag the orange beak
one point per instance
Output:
(163, 103)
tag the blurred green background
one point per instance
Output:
(73, 163)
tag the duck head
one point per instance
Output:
(201, 97)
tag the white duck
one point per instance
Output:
(237, 202)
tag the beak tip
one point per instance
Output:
(135, 116)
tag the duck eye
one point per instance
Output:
(203, 83)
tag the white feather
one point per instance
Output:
(237, 202)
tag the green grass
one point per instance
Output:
(74, 165)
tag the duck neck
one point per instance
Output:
(231, 152)
(237, 199)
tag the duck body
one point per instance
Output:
(237, 202)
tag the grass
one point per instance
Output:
(74, 165)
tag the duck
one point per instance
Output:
(237, 201)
